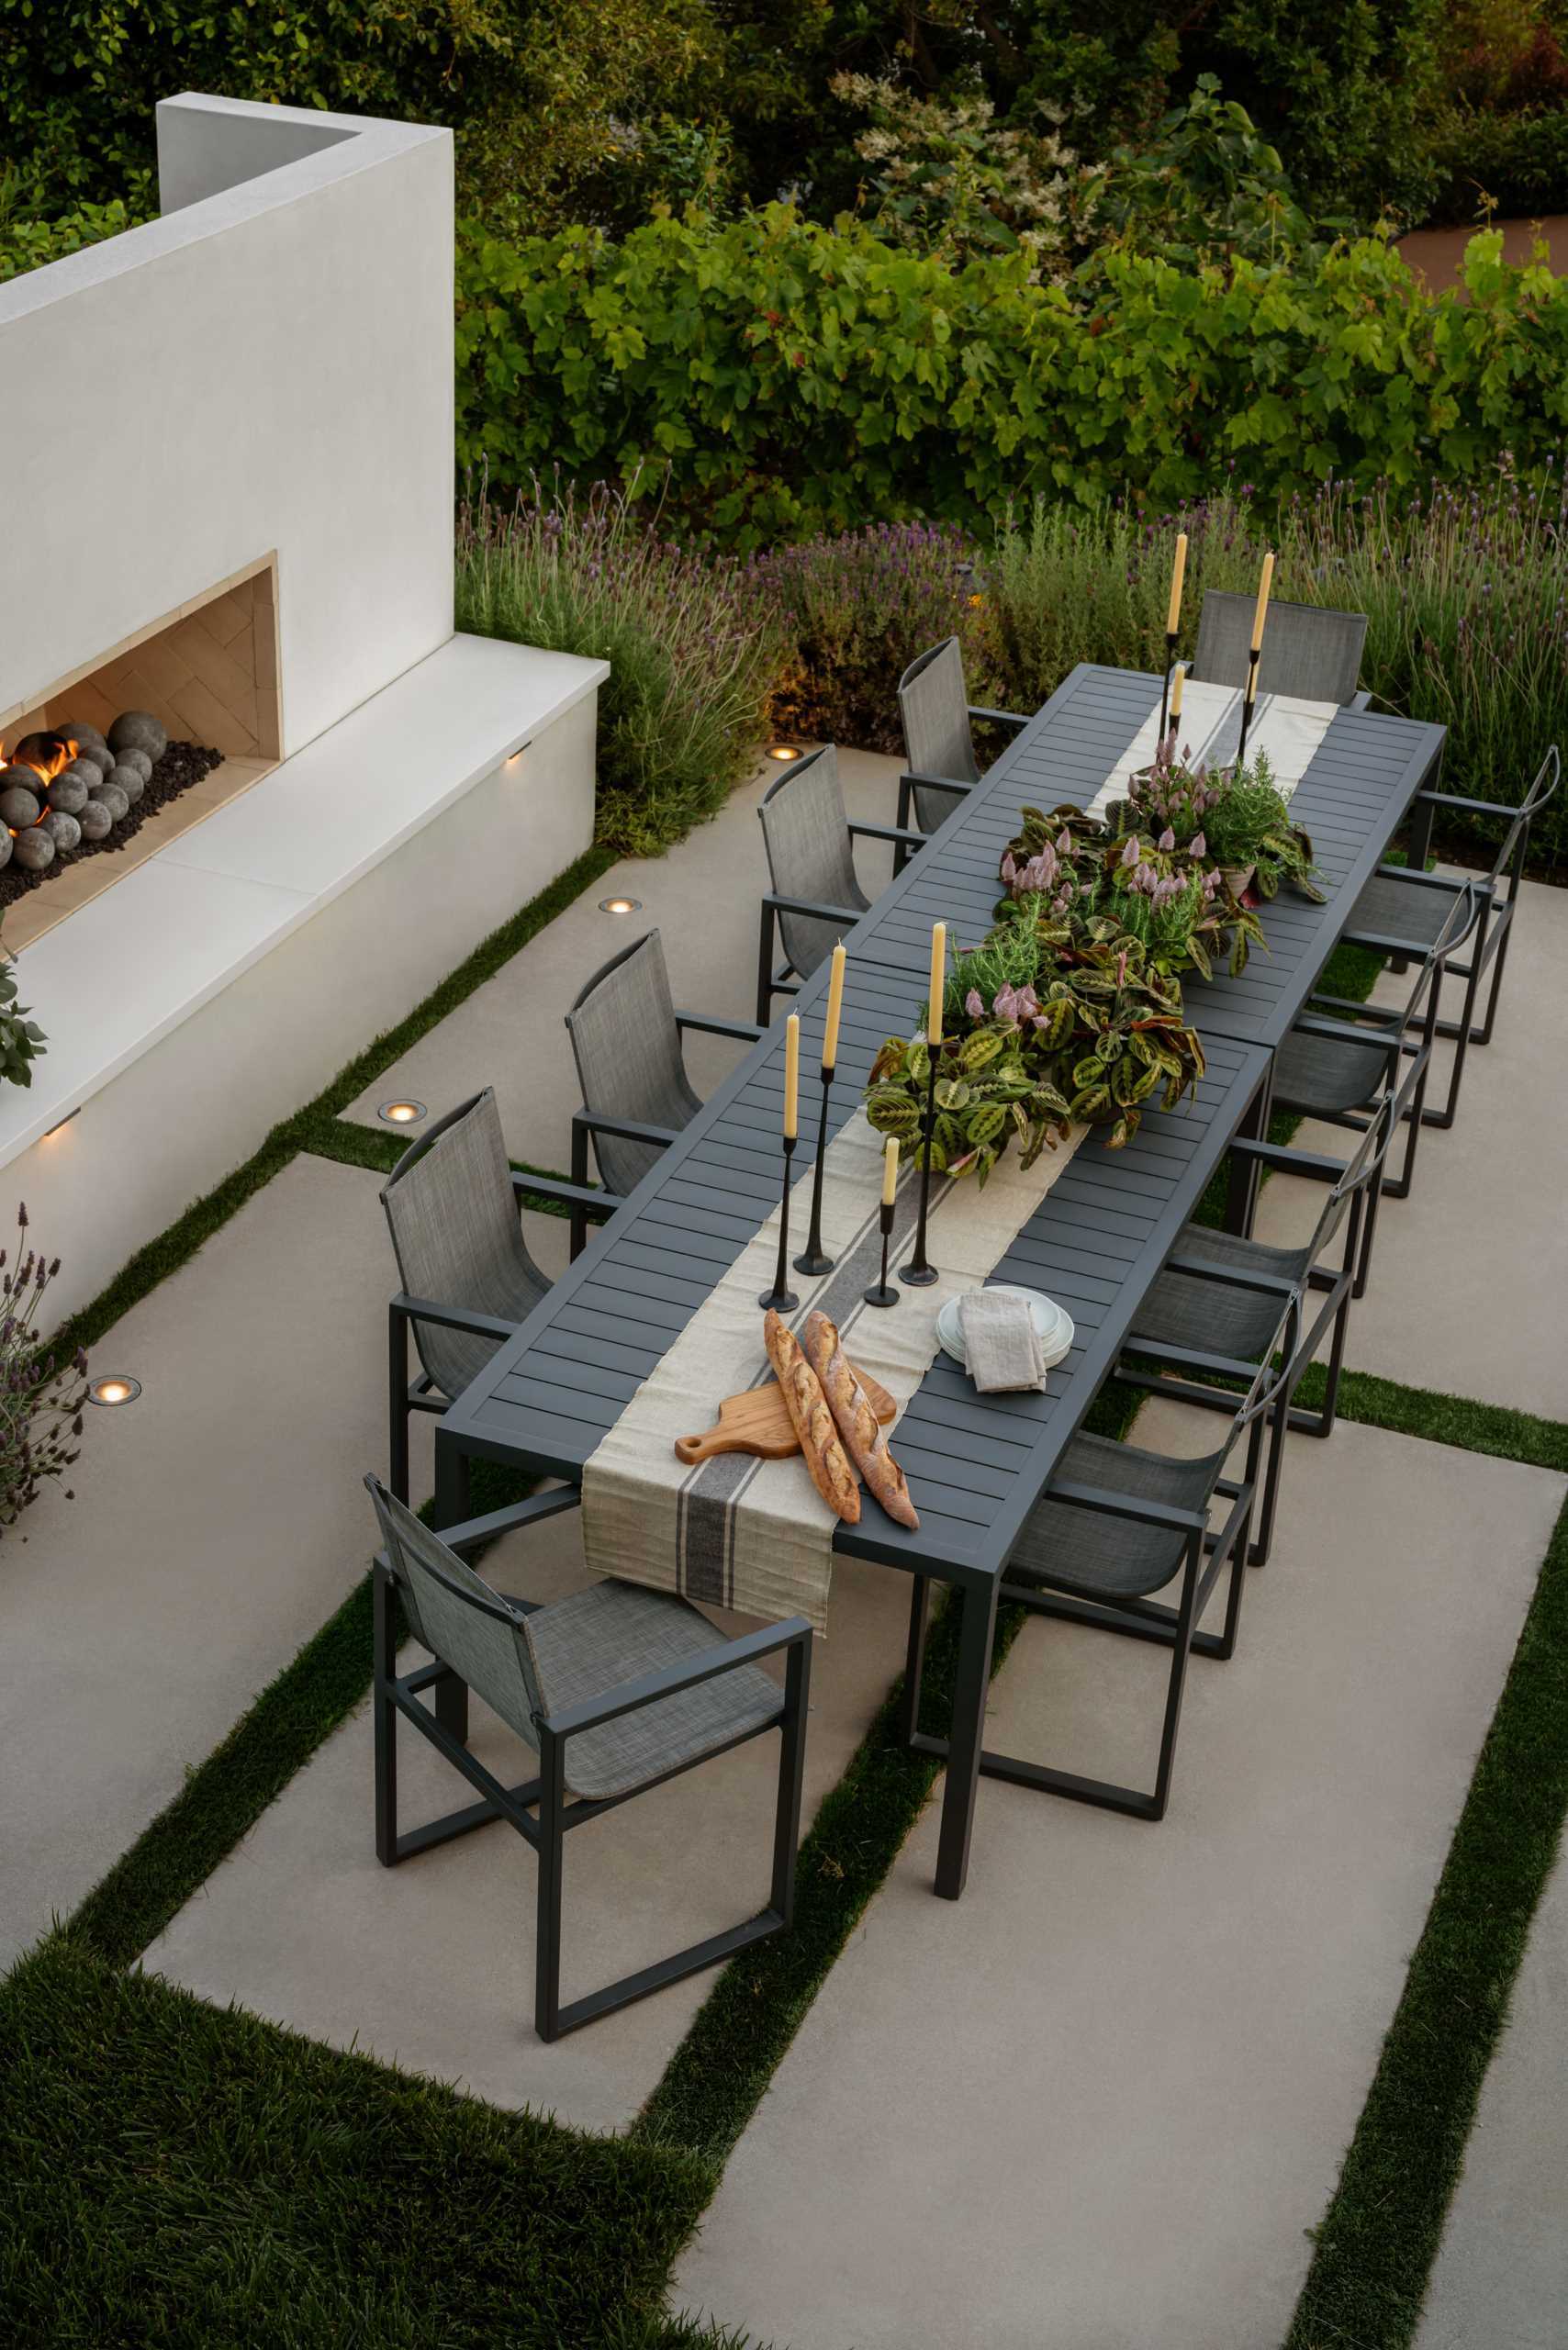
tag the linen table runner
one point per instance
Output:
(756, 1535)
(1209, 728)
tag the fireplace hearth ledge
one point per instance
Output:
(221, 984)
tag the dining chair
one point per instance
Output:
(614, 1688)
(626, 1040)
(1214, 1310)
(1309, 650)
(938, 734)
(815, 896)
(1403, 910)
(1117, 1525)
(467, 1278)
(1342, 1059)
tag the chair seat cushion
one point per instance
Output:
(1094, 1556)
(1327, 1073)
(586, 1645)
(1185, 1310)
(1391, 908)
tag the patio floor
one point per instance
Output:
(1102, 2099)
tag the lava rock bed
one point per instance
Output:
(181, 764)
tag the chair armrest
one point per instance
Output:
(452, 1317)
(1422, 880)
(594, 1122)
(1199, 1268)
(894, 833)
(1389, 1013)
(934, 783)
(998, 716)
(745, 1032)
(630, 1696)
(1287, 1159)
(1108, 1504)
(474, 1532)
(1465, 806)
(850, 914)
(1341, 1031)
(571, 1195)
(1360, 702)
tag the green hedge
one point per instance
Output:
(1521, 161)
(796, 378)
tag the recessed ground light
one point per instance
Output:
(402, 1114)
(116, 1387)
(784, 751)
(620, 905)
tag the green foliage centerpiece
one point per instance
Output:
(1230, 819)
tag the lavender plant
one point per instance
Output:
(857, 610)
(41, 1402)
(693, 640)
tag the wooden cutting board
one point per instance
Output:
(759, 1421)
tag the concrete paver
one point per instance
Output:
(1096, 2104)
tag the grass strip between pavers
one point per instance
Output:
(1380, 2235)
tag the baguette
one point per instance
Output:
(812, 1422)
(864, 1437)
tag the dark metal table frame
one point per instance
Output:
(977, 1465)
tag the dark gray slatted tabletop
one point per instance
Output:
(975, 1463)
(1351, 801)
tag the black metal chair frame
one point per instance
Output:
(422, 1394)
(539, 1808)
(586, 1122)
(1139, 1619)
(912, 778)
(786, 979)
(1336, 1285)
(1389, 1023)
(1497, 916)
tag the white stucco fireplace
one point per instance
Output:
(239, 517)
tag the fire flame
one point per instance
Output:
(46, 766)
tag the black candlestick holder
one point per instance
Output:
(814, 1257)
(1246, 700)
(920, 1272)
(884, 1293)
(1165, 688)
(781, 1296)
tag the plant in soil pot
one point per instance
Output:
(1038, 1036)
(1235, 819)
(42, 1403)
(1079, 881)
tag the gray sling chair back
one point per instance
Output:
(938, 735)
(1115, 1525)
(1403, 909)
(815, 896)
(1343, 1060)
(614, 1688)
(626, 1040)
(467, 1278)
(1215, 1310)
(1308, 652)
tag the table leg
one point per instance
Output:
(451, 1509)
(971, 1684)
(1245, 1174)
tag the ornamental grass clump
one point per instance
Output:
(859, 608)
(694, 641)
(41, 1402)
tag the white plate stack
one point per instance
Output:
(1053, 1324)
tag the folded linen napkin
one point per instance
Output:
(1001, 1341)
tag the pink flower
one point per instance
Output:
(1167, 841)
(1198, 846)
(1131, 854)
(1064, 843)
(1009, 867)
(974, 1004)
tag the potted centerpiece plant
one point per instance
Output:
(1077, 878)
(1235, 819)
(1038, 1036)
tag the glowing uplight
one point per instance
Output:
(402, 1114)
(783, 752)
(620, 905)
(116, 1387)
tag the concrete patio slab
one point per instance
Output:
(1500, 2281)
(1098, 2103)
(703, 898)
(430, 1966)
(218, 1523)
(1471, 1271)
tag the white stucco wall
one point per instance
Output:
(267, 366)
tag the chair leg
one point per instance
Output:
(384, 1636)
(1462, 1031)
(764, 969)
(551, 1854)
(1180, 1650)
(1257, 1549)
(578, 1221)
(791, 1779)
(397, 1404)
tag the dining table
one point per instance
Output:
(976, 1464)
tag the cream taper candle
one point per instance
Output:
(1177, 574)
(1261, 614)
(791, 1077)
(834, 1009)
(1176, 684)
(938, 983)
(889, 1171)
